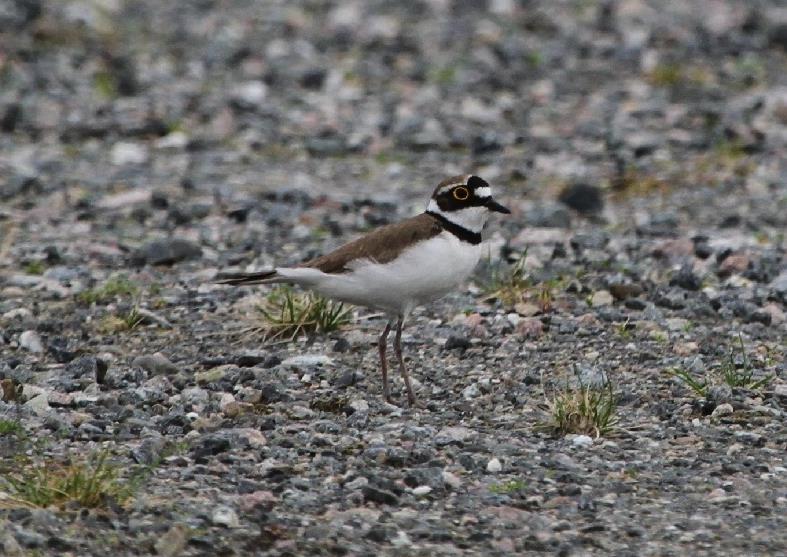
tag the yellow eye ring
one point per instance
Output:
(461, 194)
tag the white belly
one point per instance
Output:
(425, 272)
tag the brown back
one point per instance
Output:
(381, 245)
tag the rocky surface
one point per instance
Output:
(641, 145)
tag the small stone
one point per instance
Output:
(89, 367)
(401, 539)
(39, 404)
(452, 435)
(457, 342)
(422, 490)
(471, 391)
(212, 375)
(18, 314)
(722, 410)
(601, 298)
(451, 480)
(127, 152)
(165, 252)
(30, 340)
(173, 541)
(359, 405)
(776, 313)
(225, 516)
(685, 348)
(732, 264)
(530, 327)
(686, 278)
(347, 379)
(306, 360)
(583, 198)
(678, 247)
(380, 496)
(341, 345)
(526, 309)
(494, 466)
(249, 95)
(155, 364)
(719, 394)
(582, 441)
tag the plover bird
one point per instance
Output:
(399, 266)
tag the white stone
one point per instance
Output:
(225, 516)
(601, 298)
(127, 152)
(401, 539)
(722, 410)
(30, 340)
(18, 313)
(307, 360)
(494, 466)
(422, 490)
(582, 441)
(451, 480)
(250, 92)
(174, 140)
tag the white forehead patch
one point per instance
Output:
(486, 191)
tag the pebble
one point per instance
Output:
(39, 404)
(155, 364)
(126, 152)
(582, 441)
(307, 360)
(249, 94)
(452, 435)
(225, 516)
(165, 252)
(601, 298)
(530, 327)
(173, 541)
(213, 375)
(29, 340)
(583, 198)
(494, 466)
(724, 409)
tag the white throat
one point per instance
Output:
(470, 218)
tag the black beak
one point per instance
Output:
(493, 205)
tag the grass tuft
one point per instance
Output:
(116, 286)
(508, 283)
(728, 373)
(582, 410)
(742, 377)
(91, 483)
(36, 267)
(120, 323)
(287, 314)
(507, 488)
(700, 388)
(10, 427)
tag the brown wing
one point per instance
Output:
(382, 244)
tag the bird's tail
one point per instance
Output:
(241, 279)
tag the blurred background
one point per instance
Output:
(151, 118)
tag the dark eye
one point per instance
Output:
(461, 193)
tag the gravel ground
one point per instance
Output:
(144, 146)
